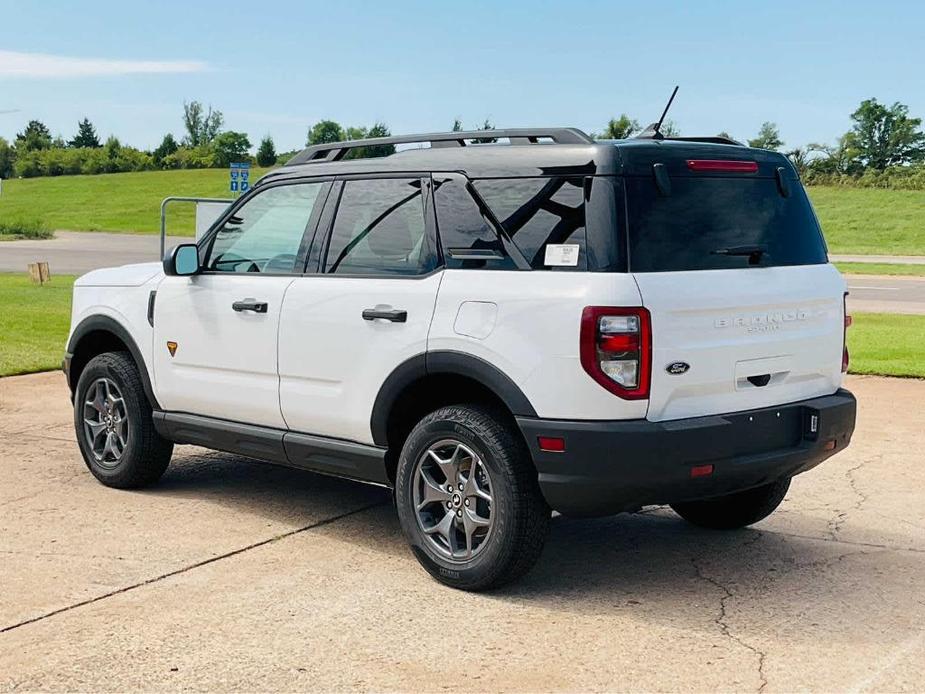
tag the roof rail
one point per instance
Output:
(712, 139)
(335, 151)
(651, 134)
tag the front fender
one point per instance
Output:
(103, 324)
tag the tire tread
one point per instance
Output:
(149, 460)
(735, 511)
(530, 513)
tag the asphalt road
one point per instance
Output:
(232, 575)
(79, 252)
(880, 294)
(76, 253)
(888, 259)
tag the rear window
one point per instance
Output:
(704, 221)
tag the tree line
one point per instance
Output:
(34, 152)
(885, 147)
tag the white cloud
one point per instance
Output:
(41, 65)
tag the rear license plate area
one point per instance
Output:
(767, 430)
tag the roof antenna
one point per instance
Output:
(653, 132)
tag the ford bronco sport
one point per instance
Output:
(494, 331)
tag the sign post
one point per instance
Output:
(240, 177)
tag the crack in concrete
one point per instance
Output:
(190, 567)
(841, 515)
(721, 619)
(783, 533)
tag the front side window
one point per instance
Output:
(264, 234)
(380, 230)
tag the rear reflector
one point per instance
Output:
(701, 470)
(551, 444)
(722, 165)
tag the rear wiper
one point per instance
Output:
(754, 253)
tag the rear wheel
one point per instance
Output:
(114, 425)
(735, 510)
(468, 499)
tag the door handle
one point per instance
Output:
(394, 315)
(250, 305)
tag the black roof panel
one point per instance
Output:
(614, 157)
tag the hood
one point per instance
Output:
(124, 276)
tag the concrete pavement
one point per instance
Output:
(234, 575)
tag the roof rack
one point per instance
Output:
(335, 151)
(712, 139)
(651, 133)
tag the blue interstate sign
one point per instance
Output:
(239, 169)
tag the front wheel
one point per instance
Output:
(735, 510)
(468, 499)
(114, 426)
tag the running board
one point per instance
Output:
(329, 456)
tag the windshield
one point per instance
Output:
(715, 223)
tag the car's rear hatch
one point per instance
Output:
(745, 310)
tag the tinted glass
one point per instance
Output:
(265, 233)
(463, 227)
(536, 212)
(689, 228)
(379, 229)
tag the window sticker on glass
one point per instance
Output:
(562, 254)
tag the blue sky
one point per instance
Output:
(276, 67)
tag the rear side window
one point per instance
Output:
(536, 212)
(704, 221)
(380, 230)
(468, 237)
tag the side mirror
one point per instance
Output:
(182, 260)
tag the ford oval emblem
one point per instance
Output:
(676, 368)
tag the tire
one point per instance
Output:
(735, 510)
(125, 451)
(493, 460)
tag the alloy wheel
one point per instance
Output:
(452, 495)
(105, 422)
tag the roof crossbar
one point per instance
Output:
(335, 151)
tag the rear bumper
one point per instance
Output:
(614, 466)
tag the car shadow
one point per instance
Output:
(649, 564)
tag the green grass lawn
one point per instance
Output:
(871, 221)
(882, 343)
(855, 220)
(114, 202)
(881, 269)
(34, 321)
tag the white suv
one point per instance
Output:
(495, 331)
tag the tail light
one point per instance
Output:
(844, 339)
(616, 349)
